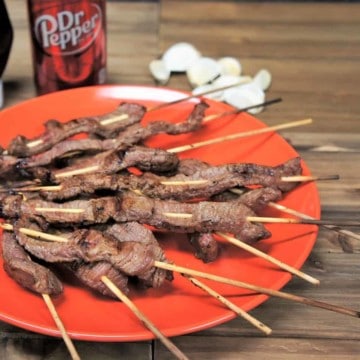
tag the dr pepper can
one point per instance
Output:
(68, 43)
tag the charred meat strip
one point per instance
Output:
(90, 275)
(108, 162)
(132, 135)
(56, 131)
(144, 158)
(242, 174)
(136, 133)
(206, 247)
(7, 164)
(133, 258)
(135, 232)
(220, 178)
(205, 216)
(27, 273)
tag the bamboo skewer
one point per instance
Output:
(144, 319)
(303, 178)
(207, 92)
(303, 221)
(36, 234)
(60, 210)
(240, 135)
(304, 216)
(258, 289)
(236, 309)
(238, 111)
(69, 344)
(269, 258)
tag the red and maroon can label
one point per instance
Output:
(69, 43)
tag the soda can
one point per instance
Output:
(68, 43)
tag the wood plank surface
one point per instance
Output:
(313, 53)
(311, 49)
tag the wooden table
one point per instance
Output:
(313, 52)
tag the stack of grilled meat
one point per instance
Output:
(104, 213)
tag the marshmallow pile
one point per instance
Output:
(205, 74)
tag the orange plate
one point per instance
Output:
(178, 307)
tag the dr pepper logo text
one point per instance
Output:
(68, 32)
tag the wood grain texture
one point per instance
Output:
(311, 49)
(313, 53)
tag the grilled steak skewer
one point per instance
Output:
(56, 131)
(205, 246)
(220, 178)
(132, 253)
(132, 135)
(27, 273)
(90, 275)
(108, 162)
(204, 217)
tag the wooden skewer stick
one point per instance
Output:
(36, 234)
(303, 221)
(240, 135)
(184, 182)
(60, 210)
(238, 111)
(304, 216)
(144, 319)
(239, 83)
(178, 215)
(69, 344)
(85, 170)
(269, 258)
(303, 178)
(236, 309)
(258, 289)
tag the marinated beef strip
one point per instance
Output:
(205, 216)
(220, 178)
(111, 161)
(134, 257)
(244, 174)
(27, 273)
(205, 245)
(56, 131)
(7, 164)
(137, 133)
(131, 136)
(135, 232)
(94, 211)
(90, 275)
